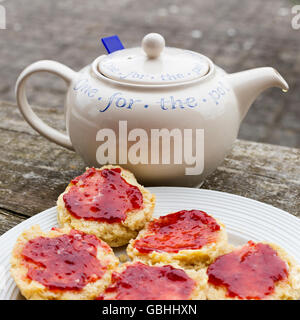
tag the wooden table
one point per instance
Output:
(34, 171)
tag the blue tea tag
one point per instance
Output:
(112, 43)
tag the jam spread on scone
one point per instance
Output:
(248, 273)
(66, 262)
(142, 282)
(182, 230)
(102, 195)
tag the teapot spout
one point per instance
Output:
(248, 84)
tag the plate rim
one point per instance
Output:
(290, 215)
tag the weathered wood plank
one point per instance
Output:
(8, 220)
(263, 172)
(15, 122)
(34, 171)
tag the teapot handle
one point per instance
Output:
(36, 123)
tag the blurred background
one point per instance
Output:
(235, 34)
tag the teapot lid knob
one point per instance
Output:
(153, 44)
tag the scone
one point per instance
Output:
(62, 264)
(190, 238)
(259, 271)
(138, 281)
(106, 202)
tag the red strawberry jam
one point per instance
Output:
(177, 231)
(142, 282)
(102, 196)
(66, 262)
(248, 273)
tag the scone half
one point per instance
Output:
(190, 238)
(255, 271)
(107, 202)
(139, 281)
(61, 264)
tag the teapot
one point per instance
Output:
(169, 115)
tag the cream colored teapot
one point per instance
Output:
(169, 115)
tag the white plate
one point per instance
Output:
(244, 218)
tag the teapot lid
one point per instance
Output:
(153, 63)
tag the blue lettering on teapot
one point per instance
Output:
(166, 103)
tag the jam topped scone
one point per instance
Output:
(190, 238)
(138, 281)
(106, 202)
(61, 264)
(255, 271)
